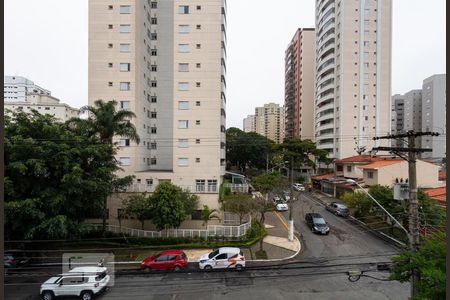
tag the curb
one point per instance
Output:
(281, 259)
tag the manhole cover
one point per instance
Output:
(238, 281)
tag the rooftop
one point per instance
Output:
(379, 164)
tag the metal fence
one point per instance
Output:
(211, 230)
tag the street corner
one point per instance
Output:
(283, 242)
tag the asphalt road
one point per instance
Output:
(319, 272)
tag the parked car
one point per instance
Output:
(282, 207)
(223, 258)
(287, 196)
(276, 200)
(298, 187)
(168, 259)
(15, 258)
(317, 223)
(338, 209)
(84, 282)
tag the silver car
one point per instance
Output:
(338, 209)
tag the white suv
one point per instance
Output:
(84, 282)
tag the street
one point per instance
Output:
(318, 272)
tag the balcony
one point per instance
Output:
(325, 107)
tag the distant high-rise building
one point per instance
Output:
(406, 114)
(16, 88)
(269, 121)
(299, 85)
(249, 123)
(353, 75)
(433, 115)
(164, 61)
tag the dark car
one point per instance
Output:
(168, 259)
(338, 209)
(15, 258)
(317, 223)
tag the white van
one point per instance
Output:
(223, 258)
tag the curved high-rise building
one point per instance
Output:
(353, 74)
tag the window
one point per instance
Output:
(153, 99)
(124, 142)
(198, 65)
(197, 160)
(199, 7)
(183, 28)
(198, 26)
(124, 48)
(183, 124)
(125, 104)
(153, 83)
(124, 161)
(183, 104)
(183, 48)
(197, 122)
(124, 86)
(183, 86)
(153, 68)
(153, 161)
(109, 84)
(198, 46)
(149, 182)
(183, 161)
(197, 84)
(110, 65)
(153, 52)
(183, 143)
(183, 67)
(153, 129)
(153, 114)
(110, 7)
(153, 4)
(154, 21)
(212, 185)
(200, 185)
(197, 141)
(370, 174)
(197, 103)
(125, 9)
(153, 36)
(183, 9)
(125, 67)
(110, 45)
(125, 28)
(110, 26)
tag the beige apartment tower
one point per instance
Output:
(248, 124)
(353, 75)
(165, 61)
(299, 85)
(269, 121)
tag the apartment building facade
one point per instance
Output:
(166, 62)
(434, 108)
(269, 121)
(16, 89)
(299, 85)
(249, 124)
(353, 75)
(406, 114)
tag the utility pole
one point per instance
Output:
(291, 201)
(410, 157)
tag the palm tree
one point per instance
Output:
(208, 214)
(105, 122)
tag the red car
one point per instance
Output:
(168, 259)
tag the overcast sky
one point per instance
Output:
(46, 41)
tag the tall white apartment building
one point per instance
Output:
(165, 61)
(353, 75)
(249, 124)
(406, 114)
(433, 116)
(16, 88)
(269, 121)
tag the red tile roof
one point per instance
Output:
(439, 194)
(380, 164)
(362, 159)
(324, 176)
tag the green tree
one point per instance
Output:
(138, 206)
(105, 122)
(190, 202)
(240, 204)
(430, 261)
(302, 152)
(208, 214)
(167, 205)
(55, 177)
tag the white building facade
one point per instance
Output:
(16, 88)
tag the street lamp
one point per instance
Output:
(395, 220)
